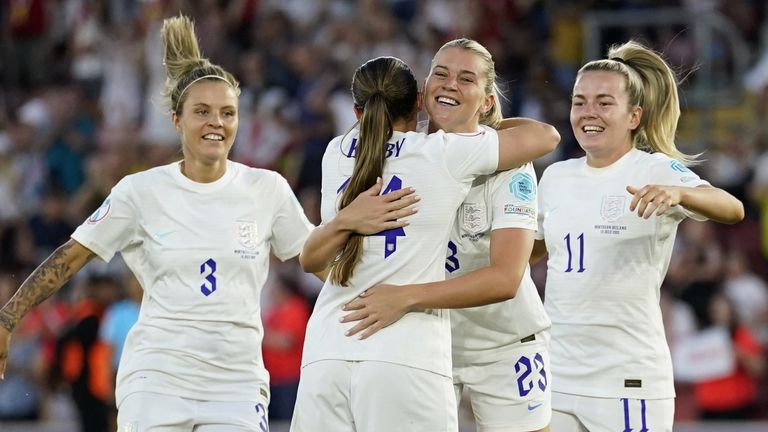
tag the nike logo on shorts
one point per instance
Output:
(532, 407)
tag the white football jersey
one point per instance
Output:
(505, 200)
(604, 272)
(201, 253)
(441, 167)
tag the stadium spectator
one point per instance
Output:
(732, 397)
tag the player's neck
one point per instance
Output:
(203, 173)
(405, 125)
(602, 159)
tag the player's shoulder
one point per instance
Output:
(148, 178)
(662, 161)
(335, 144)
(252, 175)
(524, 173)
(564, 167)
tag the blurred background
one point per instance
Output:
(80, 108)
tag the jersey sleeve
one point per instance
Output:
(514, 199)
(112, 227)
(670, 172)
(329, 189)
(290, 227)
(469, 155)
(542, 204)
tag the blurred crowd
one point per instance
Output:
(80, 108)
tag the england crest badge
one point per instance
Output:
(474, 218)
(248, 234)
(613, 207)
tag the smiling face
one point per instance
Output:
(455, 91)
(208, 122)
(601, 117)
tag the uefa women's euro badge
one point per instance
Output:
(523, 187)
(101, 212)
(613, 207)
(248, 234)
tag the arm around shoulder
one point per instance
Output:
(496, 282)
(525, 140)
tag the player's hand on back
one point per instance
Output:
(371, 213)
(376, 308)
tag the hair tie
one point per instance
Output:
(194, 81)
(620, 60)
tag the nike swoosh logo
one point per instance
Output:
(161, 235)
(532, 407)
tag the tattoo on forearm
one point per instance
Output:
(41, 284)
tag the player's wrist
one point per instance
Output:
(415, 297)
(342, 223)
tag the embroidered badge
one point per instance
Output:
(248, 234)
(612, 207)
(473, 217)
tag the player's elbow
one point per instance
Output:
(550, 136)
(508, 283)
(310, 264)
(738, 213)
(734, 213)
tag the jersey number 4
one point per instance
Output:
(390, 235)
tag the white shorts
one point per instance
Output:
(154, 412)
(512, 394)
(373, 396)
(573, 413)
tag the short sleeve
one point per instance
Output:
(514, 199)
(542, 205)
(671, 172)
(469, 155)
(112, 227)
(291, 227)
(331, 184)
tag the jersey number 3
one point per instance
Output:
(452, 261)
(208, 269)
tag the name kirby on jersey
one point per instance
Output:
(393, 149)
